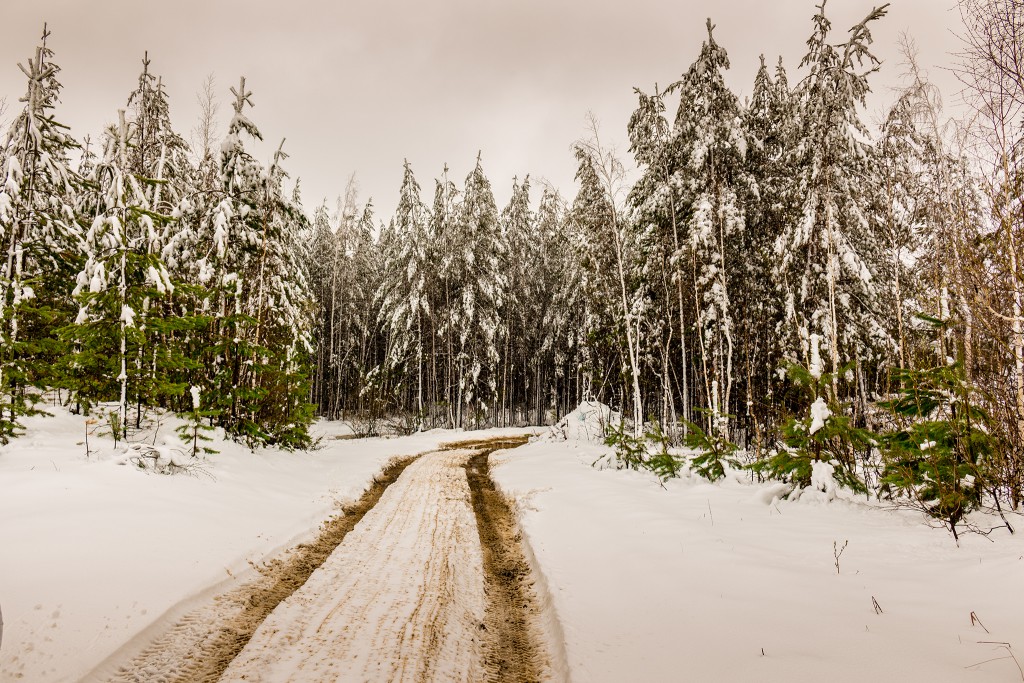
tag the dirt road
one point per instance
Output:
(410, 594)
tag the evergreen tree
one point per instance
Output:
(658, 203)
(710, 140)
(769, 123)
(827, 258)
(559, 294)
(404, 297)
(157, 152)
(612, 278)
(256, 293)
(122, 275)
(479, 288)
(444, 226)
(41, 236)
(519, 353)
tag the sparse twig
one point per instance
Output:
(89, 423)
(976, 620)
(838, 552)
(874, 603)
(1009, 655)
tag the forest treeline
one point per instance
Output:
(781, 275)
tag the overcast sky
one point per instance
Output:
(359, 86)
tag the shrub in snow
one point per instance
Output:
(628, 452)
(824, 435)
(649, 452)
(714, 452)
(659, 459)
(167, 458)
(939, 459)
(194, 431)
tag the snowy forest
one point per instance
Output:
(784, 284)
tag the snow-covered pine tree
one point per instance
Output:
(157, 152)
(560, 295)
(657, 203)
(283, 311)
(898, 216)
(258, 355)
(519, 353)
(444, 226)
(769, 122)
(479, 286)
(158, 157)
(320, 267)
(710, 141)
(40, 239)
(114, 357)
(404, 295)
(826, 258)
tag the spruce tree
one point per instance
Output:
(444, 226)
(115, 355)
(769, 122)
(827, 257)
(479, 286)
(404, 297)
(257, 358)
(41, 237)
(521, 311)
(614, 280)
(710, 139)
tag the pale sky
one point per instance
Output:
(360, 86)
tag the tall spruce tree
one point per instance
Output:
(444, 226)
(41, 237)
(404, 297)
(770, 203)
(256, 293)
(479, 288)
(116, 355)
(710, 144)
(519, 352)
(827, 257)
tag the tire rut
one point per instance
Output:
(513, 650)
(201, 645)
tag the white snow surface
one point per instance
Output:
(725, 582)
(93, 553)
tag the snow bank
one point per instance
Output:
(725, 582)
(587, 423)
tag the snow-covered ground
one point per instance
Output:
(695, 581)
(719, 582)
(93, 553)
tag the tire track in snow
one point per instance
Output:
(402, 599)
(513, 650)
(201, 644)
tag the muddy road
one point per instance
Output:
(423, 579)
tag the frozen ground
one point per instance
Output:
(716, 582)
